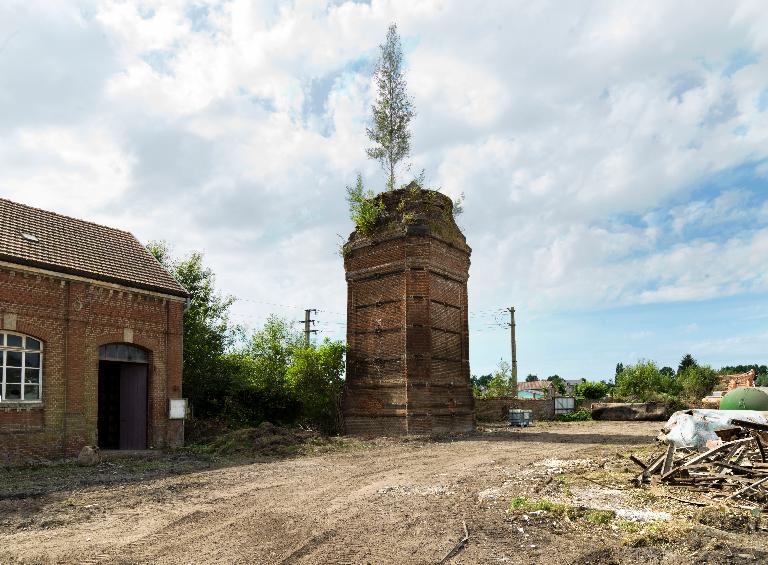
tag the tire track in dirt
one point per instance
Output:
(381, 505)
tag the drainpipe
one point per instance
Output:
(66, 371)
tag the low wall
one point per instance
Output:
(496, 408)
(626, 411)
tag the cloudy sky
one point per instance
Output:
(613, 155)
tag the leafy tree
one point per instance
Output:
(643, 382)
(559, 385)
(252, 395)
(667, 371)
(276, 378)
(686, 362)
(207, 333)
(272, 376)
(501, 382)
(619, 369)
(592, 391)
(696, 382)
(480, 384)
(392, 111)
(316, 379)
(531, 378)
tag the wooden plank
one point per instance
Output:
(746, 488)
(654, 466)
(760, 447)
(638, 462)
(745, 470)
(750, 425)
(668, 459)
(717, 449)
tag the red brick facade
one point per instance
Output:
(73, 317)
(407, 323)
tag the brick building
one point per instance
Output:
(730, 382)
(407, 324)
(90, 341)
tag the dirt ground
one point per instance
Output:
(526, 496)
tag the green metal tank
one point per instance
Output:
(746, 398)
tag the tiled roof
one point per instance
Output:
(38, 238)
(534, 385)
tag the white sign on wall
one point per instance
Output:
(177, 408)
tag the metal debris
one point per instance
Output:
(734, 468)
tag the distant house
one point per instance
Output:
(534, 389)
(728, 383)
(540, 389)
(571, 384)
(90, 338)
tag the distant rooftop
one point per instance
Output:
(38, 238)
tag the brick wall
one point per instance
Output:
(407, 324)
(493, 409)
(72, 319)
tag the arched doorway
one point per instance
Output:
(122, 419)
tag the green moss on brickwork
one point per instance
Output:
(410, 211)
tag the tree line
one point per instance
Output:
(643, 381)
(241, 378)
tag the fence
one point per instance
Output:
(564, 404)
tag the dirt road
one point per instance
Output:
(397, 501)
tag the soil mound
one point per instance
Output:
(266, 440)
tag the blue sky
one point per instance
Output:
(613, 156)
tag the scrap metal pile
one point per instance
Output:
(732, 468)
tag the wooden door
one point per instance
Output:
(133, 406)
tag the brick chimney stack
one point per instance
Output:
(407, 322)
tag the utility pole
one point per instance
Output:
(307, 322)
(511, 311)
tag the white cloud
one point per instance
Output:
(579, 132)
(62, 168)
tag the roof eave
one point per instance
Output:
(180, 292)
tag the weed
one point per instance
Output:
(578, 416)
(364, 207)
(599, 517)
(565, 485)
(591, 515)
(639, 534)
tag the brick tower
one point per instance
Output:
(407, 325)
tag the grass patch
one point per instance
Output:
(599, 517)
(565, 485)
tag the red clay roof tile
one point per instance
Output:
(79, 247)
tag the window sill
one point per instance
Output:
(19, 406)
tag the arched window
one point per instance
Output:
(22, 378)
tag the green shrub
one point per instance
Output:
(578, 416)
(592, 391)
(315, 379)
(644, 382)
(364, 207)
(696, 382)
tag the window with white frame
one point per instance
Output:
(22, 377)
